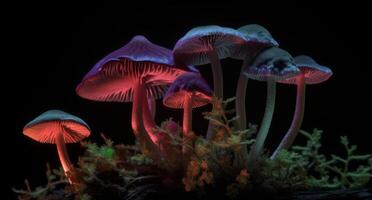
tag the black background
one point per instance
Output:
(53, 46)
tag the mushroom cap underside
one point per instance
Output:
(193, 48)
(46, 127)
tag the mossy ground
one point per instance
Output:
(118, 171)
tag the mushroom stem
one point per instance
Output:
(64, 159)
(265, 124)
(187, 124)
(241, 122)
(217, 73)
(240, 97)
(217, 85)
(292, 132)
(148, 121)
(152, 107)
(137, 110)
(146, 145)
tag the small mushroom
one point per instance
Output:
(138, 71)
(311, 73)
(58, 127)
(271, 65)
(208, 44)
(187, 92)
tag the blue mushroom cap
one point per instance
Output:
(193, 48)
(272, 64)
(257, 38)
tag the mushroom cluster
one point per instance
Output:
(142, 72)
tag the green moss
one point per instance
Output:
(120, 171)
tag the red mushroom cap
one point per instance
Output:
(112, 78)
(48, 125)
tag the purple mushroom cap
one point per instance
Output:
(188, 84)
(112, 78)
(313, 72)
(192, 49)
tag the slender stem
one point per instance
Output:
(137, 110)
(146, 145)
(152, 106)
(217, 74)
(241, 123)
(217, 85)
(240, 97)
(148, 121)
(65, 160)
(265, 124)
(187, 124)
(292, 132)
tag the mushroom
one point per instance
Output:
(147, 120)
(271, 65)
(257, 39)
(138, 71)
(58, 127)
(208, 44)
(311, 73)
(188, 91)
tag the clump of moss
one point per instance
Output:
(349, 171)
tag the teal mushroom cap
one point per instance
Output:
(44, 127)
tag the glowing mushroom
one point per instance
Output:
(58, 127)
(257, 39)
(138, 71)
(187, 92)
(208, 44)
(311, 73)
(271, 65)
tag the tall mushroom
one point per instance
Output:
(58, 127)
(311, 73)
(257, 39)
(271, 65)
(208, 44)
(134, 73)
(187, 92)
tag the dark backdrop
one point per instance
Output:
(53, 46)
